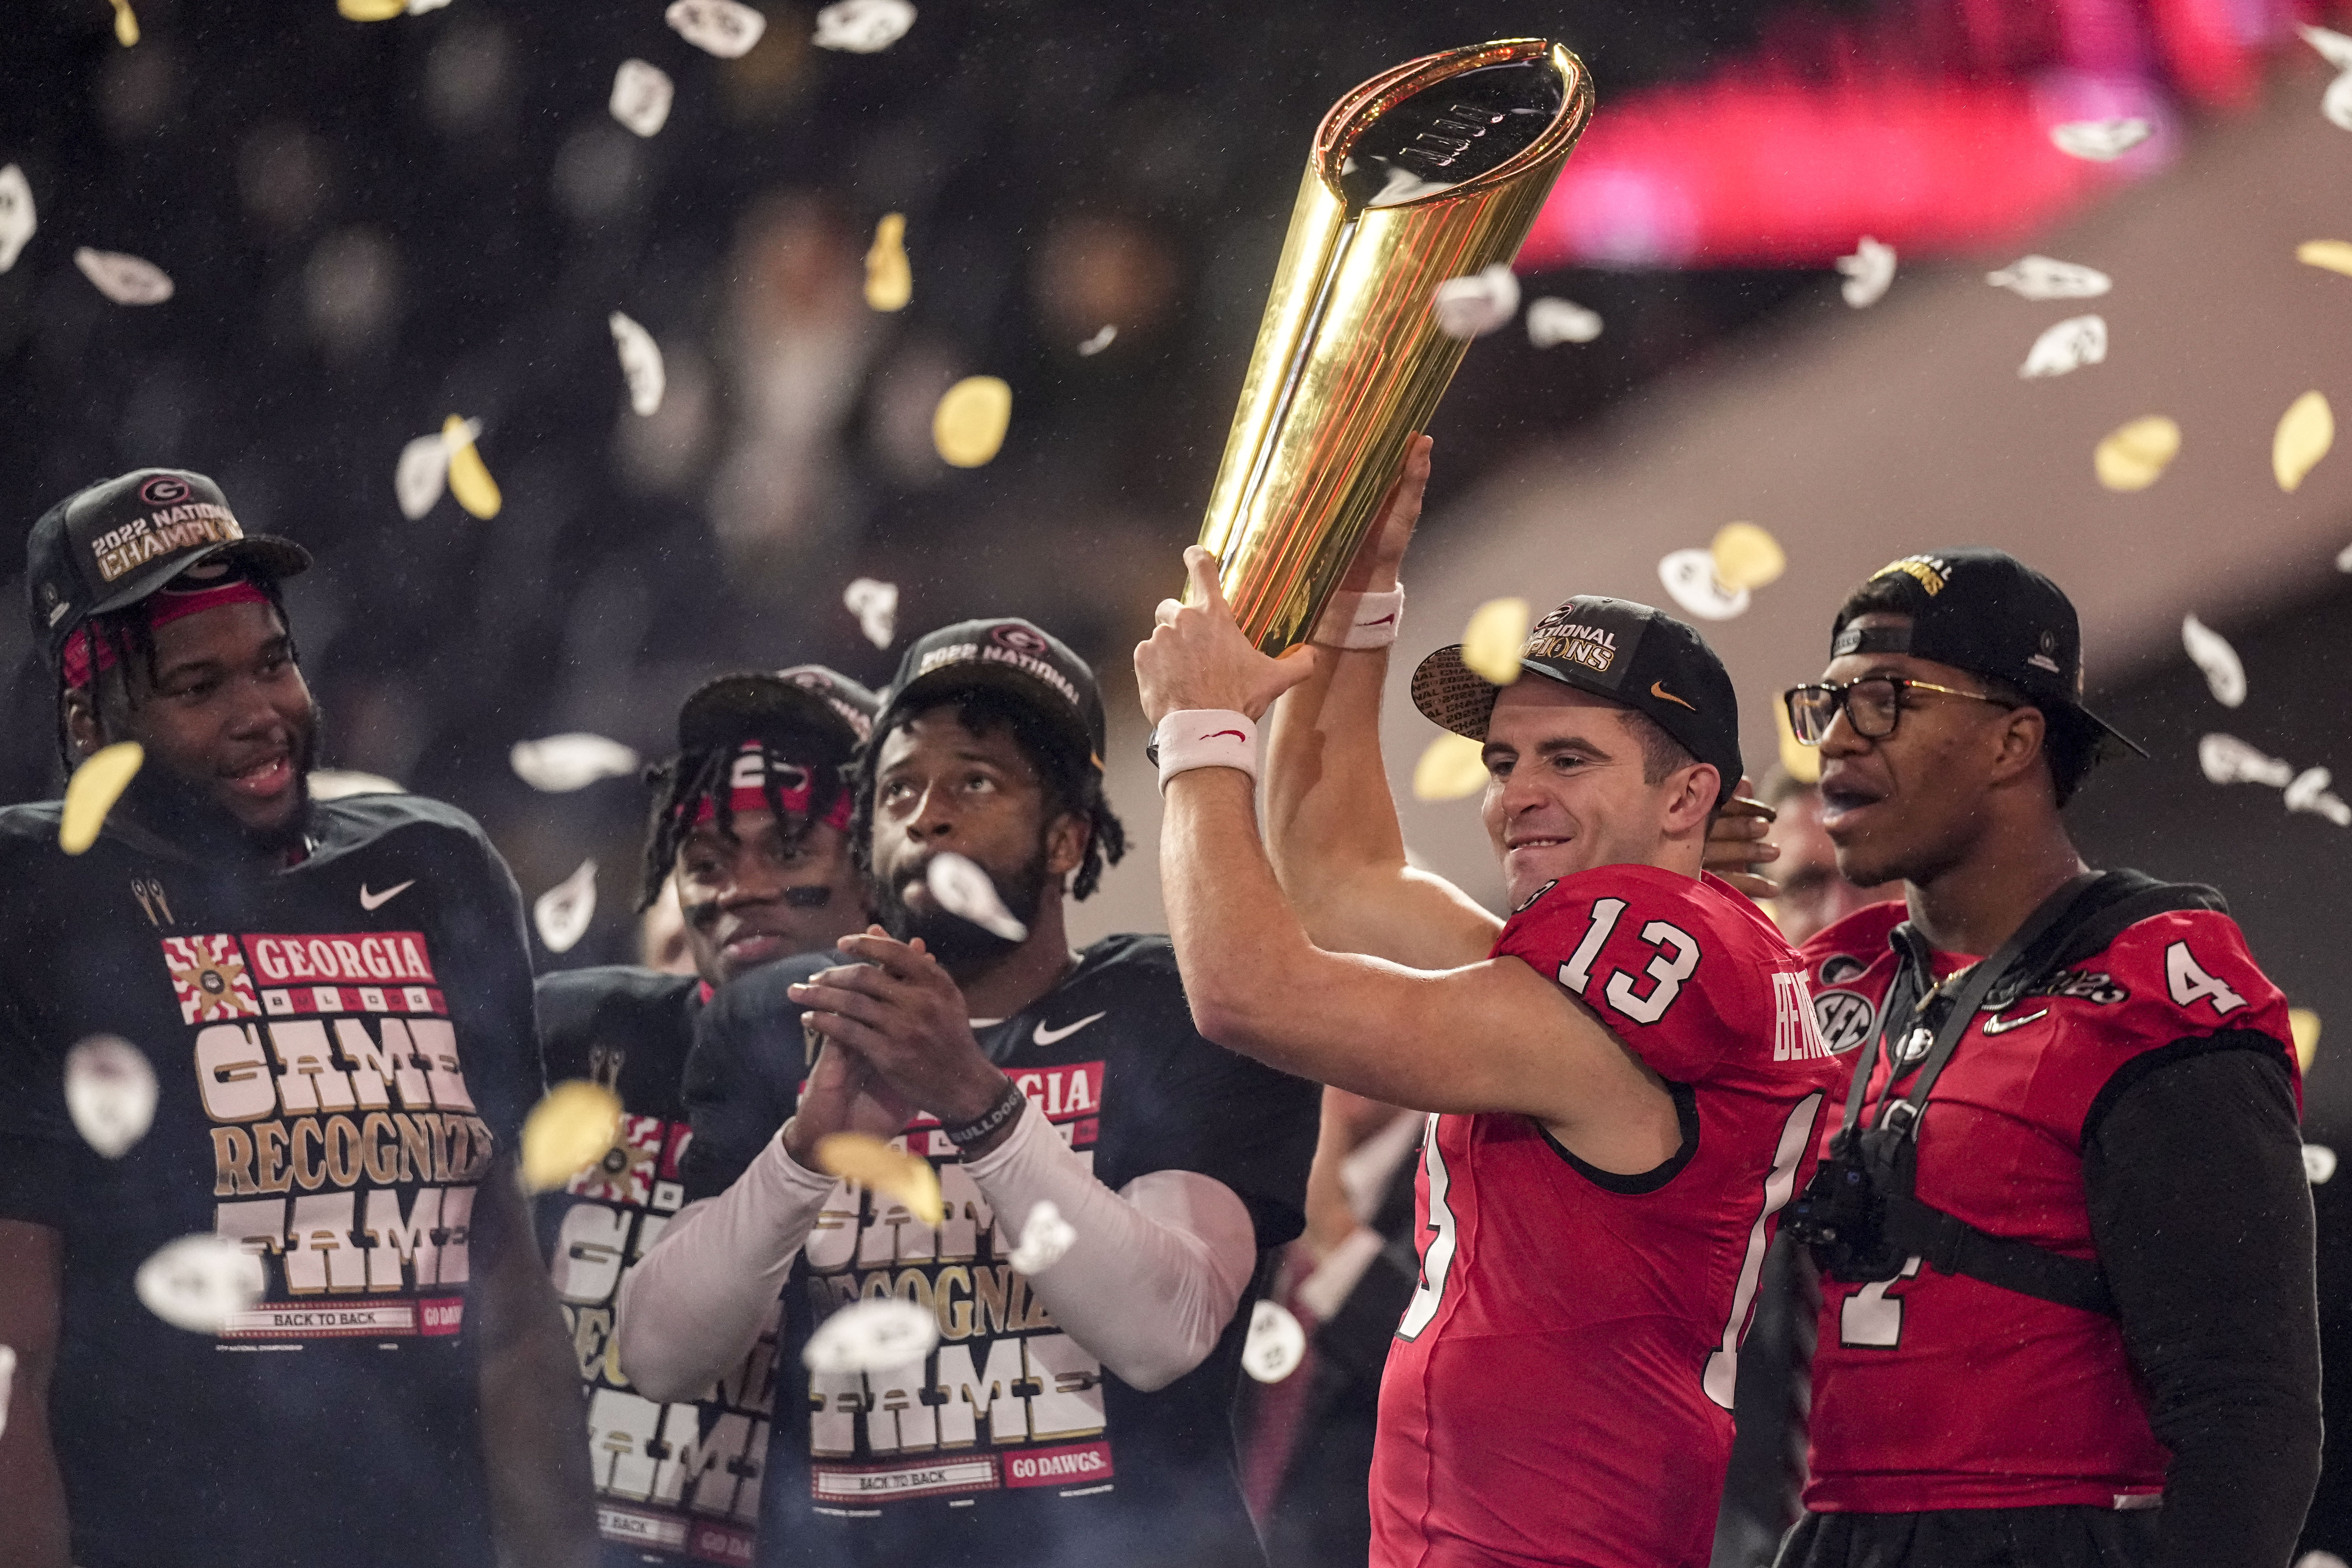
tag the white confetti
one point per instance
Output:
(418, 7)
(2344, 559)
(574, 760)
(721, 28)
(199, 1283)
(2227, 759)
(563, 912)
(7, 1381)
(965, 889)
(2318, 1165)
(2099, 140)
(2068, 346)
(641, 92)
(1869, 272)
(1474, 306)
(109, 1093)
(2336, 104)
(341, 783)
(1276, 1343)
(2309, 792)
(873, 1335)
(1552, 321)
(125, 280)
(15, 215)
(2040, 278)
(1104, 337)
(1689, 576)
(863, 27)
(2321, 1558)
(422, 472)
(876, 605)
(2209, 652)
(2333, 47)
(1045, 1236)
(641, 363)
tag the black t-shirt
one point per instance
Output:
(675, 1483)
(342, 1047)
(1018, 1446)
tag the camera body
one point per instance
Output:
(1842, 1215)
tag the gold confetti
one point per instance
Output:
(1492, 641)
(893, 1173)
(1746, 556)
(2133, 457)
(370, 10)
(1803, 763)
(967, 426)
(889, 277)
(92, 791)
(2335, 255)
(1452, 766)
(2306, 1024)
(2304, 433)
(126, 26)
(572, 1127)
(469, 479)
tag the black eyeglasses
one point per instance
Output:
(1871, 705)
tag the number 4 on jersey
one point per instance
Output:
(2189, 984)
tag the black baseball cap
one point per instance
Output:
(1979, 610)
(113, 543)
(1009, 655)
(808, 698)
(1631, 654)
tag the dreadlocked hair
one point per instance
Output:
(1074, 786)
(126, 635)
(686, 779)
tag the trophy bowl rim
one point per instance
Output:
(1361, 107)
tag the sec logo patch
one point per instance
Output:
(1844, 1017)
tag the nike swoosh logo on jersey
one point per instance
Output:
(2000, 1026)
(1046, 1036)
(373, 901)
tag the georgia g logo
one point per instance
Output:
(1020, 639)
(164, 489)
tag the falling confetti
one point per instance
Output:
(1104, 337)
(872, 1335)
(2335, 255)
(2068, 346)
(889, 275)
(1045, 1236)
(863, 27)
(2333, 47)
(8, 1380)
(641, 363)
(2336, 50)
(2305, 431)
(341, 783)
(15, 215)
(1869, 272)
(573, 1126)
(2304, 1025)
(1803, 763)
(642, 93)
(887, 1169)
(423, 471)
(1492, 641)
(963, 889)
(2308, 791)
(199, 1283)
(969, 426)
(1746, 556)
(92, 791)
(2344, 559)
(1276, 1343)
(563, 912)
(2040, 278)
(2209, 652)
(126, 26)
(469, 479)
(2318, 1165)
(1551, 321)
(574, 760)
(876, 605)
(1689, 576)
(721, 27)
(1483, 302)
(125, 280)
(109, 1093)
(371, 10)
(2133, 457)
(2227, 759)
(1452, 767)
(2099, 140)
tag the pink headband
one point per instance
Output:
(162, 608)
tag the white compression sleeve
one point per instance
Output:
(1158, 1266)
(692, 1306)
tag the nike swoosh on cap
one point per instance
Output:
(1658, 690)
(372, 902)
(1046, 1036)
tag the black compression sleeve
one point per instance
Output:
(2202, 1215)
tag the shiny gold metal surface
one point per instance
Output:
(1434, 168)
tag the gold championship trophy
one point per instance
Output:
(1434, 168)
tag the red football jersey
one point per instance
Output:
(1559, 1390)
(1937, 1391)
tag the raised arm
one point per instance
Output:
(1331, 827)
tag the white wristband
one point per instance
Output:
(1205, 737)
(1361, 620)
